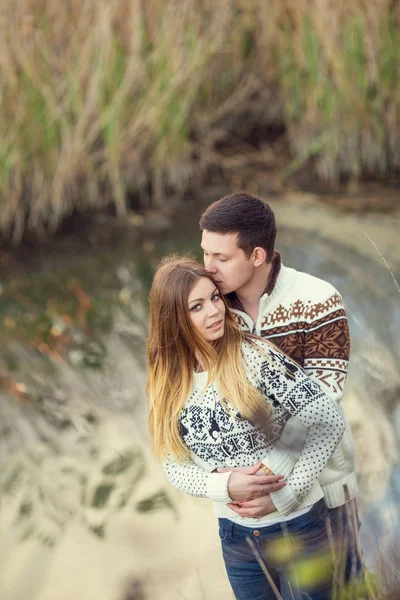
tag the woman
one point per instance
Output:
(221, 398)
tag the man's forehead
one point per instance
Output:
(217, 243)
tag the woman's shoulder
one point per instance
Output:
(256, 345)
(264, 353)
(257, 350)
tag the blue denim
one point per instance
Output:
(345, 526)
(244, 549)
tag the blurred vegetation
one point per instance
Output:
(108, 101)
(313, 570)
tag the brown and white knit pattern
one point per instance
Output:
(321, 347)
(306, 319)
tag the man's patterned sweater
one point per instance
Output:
(304, 317)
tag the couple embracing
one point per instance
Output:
(247, 364)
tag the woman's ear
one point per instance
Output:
(259, 256)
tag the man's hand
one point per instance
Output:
(254, 509)
(248, 486)
(254, 470)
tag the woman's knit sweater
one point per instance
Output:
(219, 437)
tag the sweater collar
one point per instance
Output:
(276, 265)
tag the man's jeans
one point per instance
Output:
(345, 526)
(291, 558)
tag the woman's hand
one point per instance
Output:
(243, 487)
(254, 509)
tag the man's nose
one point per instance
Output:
(209, 265)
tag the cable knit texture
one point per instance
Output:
(218, 436)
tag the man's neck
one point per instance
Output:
(249, 296)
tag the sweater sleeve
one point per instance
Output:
(283, 381)
(191, 479)
(326, 347)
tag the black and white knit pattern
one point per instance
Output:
(221, 438)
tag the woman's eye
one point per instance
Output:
(195, 308)
(216, 297)
(222, 259)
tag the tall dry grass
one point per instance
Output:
(105, 99)
(338, 68)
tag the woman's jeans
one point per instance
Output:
(292, 559)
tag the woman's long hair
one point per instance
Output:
(172, 345)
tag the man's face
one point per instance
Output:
(227, 263)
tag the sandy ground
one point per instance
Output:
(370, 234)
(168, 560)
(163, 555)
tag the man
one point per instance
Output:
(303, 316)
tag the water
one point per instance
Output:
(74, 447)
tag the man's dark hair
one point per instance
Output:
(248, 216)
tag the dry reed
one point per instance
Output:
(105, 100)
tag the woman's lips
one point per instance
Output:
(215, 325)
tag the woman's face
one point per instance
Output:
(207, 310)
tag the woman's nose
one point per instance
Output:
(212, 310)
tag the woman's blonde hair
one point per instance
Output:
(172, 345)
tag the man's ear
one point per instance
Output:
(259, 256)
